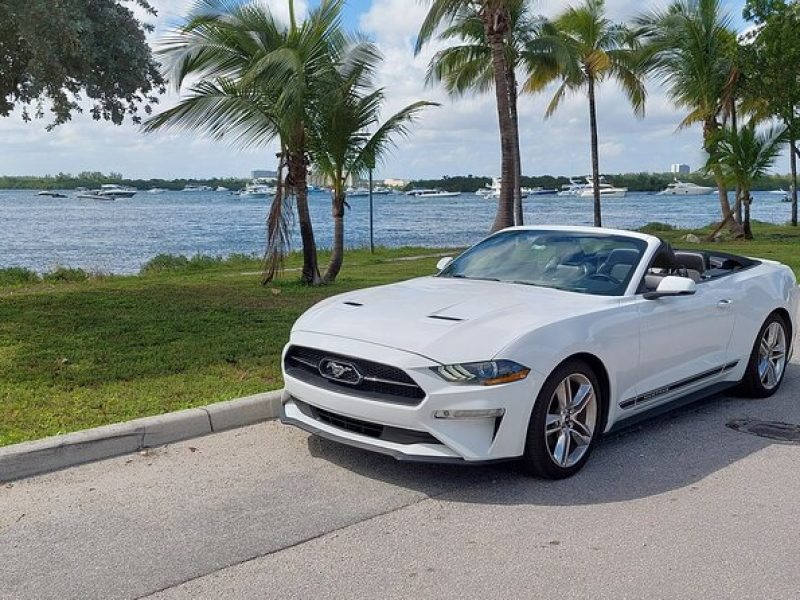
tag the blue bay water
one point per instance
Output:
(118, 237)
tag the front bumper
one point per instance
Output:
(450, 440)
(292, 415)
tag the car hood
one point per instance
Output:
(446, 319)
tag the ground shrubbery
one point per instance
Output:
(17, 276)
(65, 275)
(656, 227)
(171, 263)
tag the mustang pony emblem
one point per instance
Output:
(337, 370)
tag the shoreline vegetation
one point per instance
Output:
(635, 182)
(79, 350)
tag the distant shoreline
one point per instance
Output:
(635, 182)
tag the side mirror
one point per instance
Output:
(672, 286)
(443, 262)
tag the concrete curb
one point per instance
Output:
(62, 451)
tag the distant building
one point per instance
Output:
(263, 174)
(395, 183)
(679, 169)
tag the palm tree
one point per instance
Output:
(580, 49)
(691, 48)
(468, 66)
(259, 78)
(342, 148)
(742, 157)
(495, 18)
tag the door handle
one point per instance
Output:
(724, 303)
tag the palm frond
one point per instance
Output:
(385, 137)
(222, 110)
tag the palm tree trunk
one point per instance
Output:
(710, 129)
(793, 163)
(337, 248)
(512, 90)
(298, 174)
(598, 221)
(505, 203)
(737, 209)
(748, 232)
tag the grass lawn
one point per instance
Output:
(77, 354)
(88, 353)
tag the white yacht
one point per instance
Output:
(418, 191)
(538, 191)
(357, 192)
(438, 194)
(157, 190)
(222, 188)
(257, 189)
(606, 189)
(108, 191)
(198, 188)
(573, 188)
(681, 188)
(492, 192)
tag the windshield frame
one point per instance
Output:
(628, 241)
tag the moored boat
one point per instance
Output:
(573, 188)
(438, 194)
(257, 189)
(538, 191)
(606, 189)
(685, 188)
(108, 191)
(418, 191)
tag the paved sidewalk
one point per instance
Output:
(682, 507)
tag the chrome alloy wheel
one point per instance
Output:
(772, 355)
(571, 420)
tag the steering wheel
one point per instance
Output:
(551, 265)
(604, 277)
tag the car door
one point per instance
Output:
(683, 343)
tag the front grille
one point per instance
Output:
(366, 379)
(354, 425)
(373, 430)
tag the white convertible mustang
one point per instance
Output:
(532, 343)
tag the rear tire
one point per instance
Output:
(565, 422)
(766, 366)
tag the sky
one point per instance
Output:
(460, 137)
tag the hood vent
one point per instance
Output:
(351, 303)
(444, 318)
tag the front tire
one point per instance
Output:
(565, 422)
(767, 364)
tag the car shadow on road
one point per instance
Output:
(668, 452)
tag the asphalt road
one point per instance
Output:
(682, 507)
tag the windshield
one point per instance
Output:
(588, 263)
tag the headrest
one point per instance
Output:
(691, 260)
(626, 256)
(665, 257)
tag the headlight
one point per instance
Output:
(491, 372)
